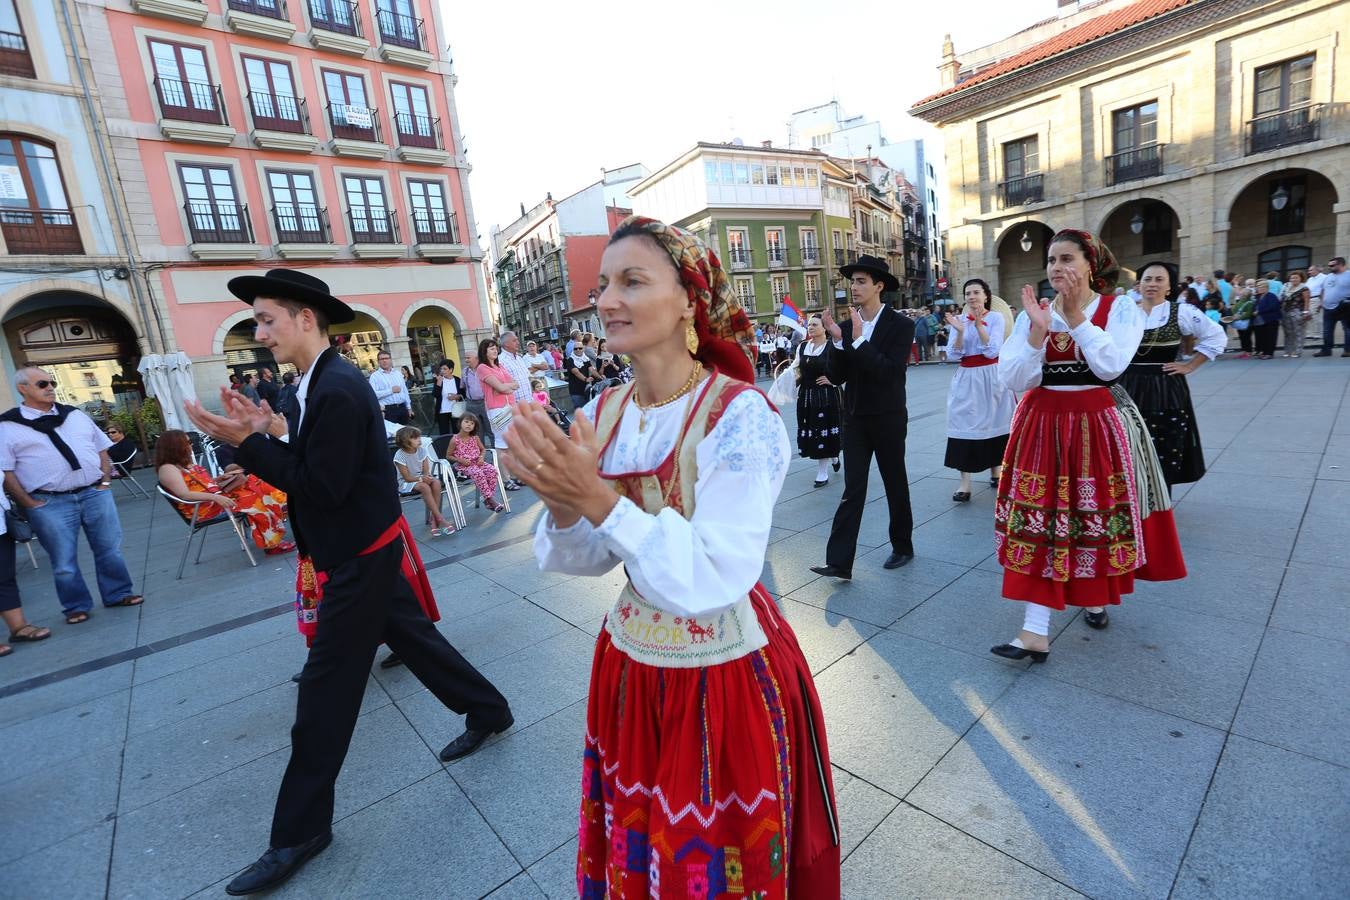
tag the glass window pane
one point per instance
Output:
(194, 64)
(756, 174)
(725, 173)
(356, 90)
(281, 80)
(742, 173)
(47, 184)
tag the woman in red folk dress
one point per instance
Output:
(1082, 507)
(705, 770)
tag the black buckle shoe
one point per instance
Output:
(1012, 651)
(1097, 620)
(832, 572)
(470, 741)
(896, 560)
(276, 865)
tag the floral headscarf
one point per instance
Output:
(1103, 270)
(726, 337)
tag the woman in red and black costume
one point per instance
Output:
(705, 769)
(1078, 515)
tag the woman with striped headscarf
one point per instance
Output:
(705, 768)
(1069, 519)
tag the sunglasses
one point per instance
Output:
(43, 384)
(112, 431)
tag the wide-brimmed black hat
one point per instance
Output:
(875, 267)
(292, 284)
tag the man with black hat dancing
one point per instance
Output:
(358, 557)
(874, 347)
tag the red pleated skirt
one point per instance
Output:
(1067, 519)
(708, 782)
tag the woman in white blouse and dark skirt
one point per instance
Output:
(979, 407)
(1156, 380)
(1071, 527)
(817, 403)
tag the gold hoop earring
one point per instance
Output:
(691, 338)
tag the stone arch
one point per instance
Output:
(1335, 174)
(1162, 194)
(377, 316)
(233, 319)
(16, 295)
(444, 305)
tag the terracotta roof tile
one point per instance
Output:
(1089, 31)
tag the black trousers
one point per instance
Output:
(396, 413)
(1265, 337)
(366, 600)
(446, 424)
(882, 436)
(9, 585)
(1245, 338)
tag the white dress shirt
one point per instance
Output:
(383, 384)
(36, 462)
(301, 394)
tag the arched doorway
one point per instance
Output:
(88, 347)
(1142, 231)
(245, 356)
(1282, 221)
(433, 336)
(1021, 259)
(360, 340)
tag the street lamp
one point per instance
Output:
(1137, 222)
(1025, 243)
(1280, 199)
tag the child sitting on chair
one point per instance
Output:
(414, 474)
(543, 399)
(466, 451)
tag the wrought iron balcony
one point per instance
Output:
(738, 258)
(190, 101)
(40, 231)
(401, 30)
(278, 112)
(301, 223)
(418, 131)
(1134, 164)
(810, 256)
(435, 226)
(218, 222)
(1021, 191)
(14, 56)
(354, 123)
(1285, 128)
(336, 15)
(272, 9)
(778, 257)
(813, 299)
(373, 226)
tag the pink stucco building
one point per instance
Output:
(319, 134)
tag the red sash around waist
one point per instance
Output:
(309, 582)
(974, 362)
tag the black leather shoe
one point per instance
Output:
(1010, 651)
(961, 496)
(896, 560)
(470, 741)
(835, 464)
(1322, 353)
(276, 865)
(820, 484)
(1097, 620)
(296, 677)
(832, 572)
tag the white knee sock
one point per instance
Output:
(822, 469)
(1037, 619)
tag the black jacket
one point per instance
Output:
(873, 374)
(336, 472)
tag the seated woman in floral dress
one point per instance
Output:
(264, 505)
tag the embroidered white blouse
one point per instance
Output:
(1209, 335)
(970, 339)
(696, 566)
(1107, 351)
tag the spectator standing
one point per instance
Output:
(1276, 285)
(538, 363)
(1223, 285)
(573, 339)
(1266, 321)
(1294, 314)
(1244, 310)
(1316, 278)
(57, 467)
(391, 391)
(764, 346)
(515, 365)
(450, 404)
(20, 630)
(249, 387)
(923, 334)
(473, 394)
(498, 393)
(1335, 306)
(267, 388)
(580, 375)
(286, 394)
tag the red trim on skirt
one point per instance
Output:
(1162, 548)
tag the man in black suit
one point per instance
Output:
(871, 352)
(346, 518)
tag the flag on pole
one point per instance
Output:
(791, 316)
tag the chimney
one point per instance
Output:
(767, 145)
(950, 65)
(522, 210)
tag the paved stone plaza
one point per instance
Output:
(1200, 747)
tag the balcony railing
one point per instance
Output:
(810, 256)
(1020, 191)
(40, 231)
(418, 131)
(301, 223)
(354, 123)
(1134, 164)
(14, 56)
(435, 227)
(278, 112)
(373, 226)
(738, 258)
(400, 29)
(218, 222)
(191, 101)
(844, 257)
(778, 257)
(1284, 128)
(272, 9)
(338, 16)
(813, 299)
